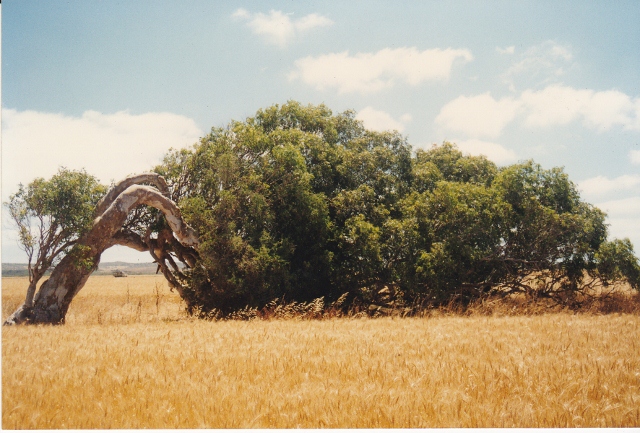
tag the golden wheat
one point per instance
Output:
(155, 368)
(108, 300)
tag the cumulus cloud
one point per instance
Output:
(554, 105)
(621, 228)
(559, 105)
(484, 116)
(372, 72)
(381, 121)
(478, 116)
(601, 185)
(109, 146)
(278, 28)
(634, 156)
(493, 151)
(623, 216)
(625, 207)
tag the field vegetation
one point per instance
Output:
(301, 204)
(325, 275)
(130, 357)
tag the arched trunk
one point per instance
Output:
(52, 301)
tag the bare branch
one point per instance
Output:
(116, 190)
(106, 225)
(129, 239)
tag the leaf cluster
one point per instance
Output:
(51, 215)
(299, 203)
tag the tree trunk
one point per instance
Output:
(31, 290)
(52, 301)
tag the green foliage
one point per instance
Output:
(52, 214)
(455, 167)
(616, 261)
(466, 224)
(551, 232)
(299, 203)
(83, 259)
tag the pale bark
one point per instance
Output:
(52, 301)
(131, 240)
(31, 290)
(136, 179)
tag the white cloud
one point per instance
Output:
(634, 156)
(241, 14)
(539, 64)
(277, 27)
(600, 185)
(478, 116)
(623, 216)
(609, 108)
(381, 121)
(493, 151)
(560, 105)
(626, 228)
(312, 21)
(554, 105)
(484, 116)
(372, 72)
(109, 146)
(507, 50)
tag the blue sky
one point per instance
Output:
(111, 85)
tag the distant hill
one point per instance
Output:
(106, 268)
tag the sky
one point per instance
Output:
(110, 86)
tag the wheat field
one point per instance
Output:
(129, 357)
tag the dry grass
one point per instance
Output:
(151, 367)
(107, 300)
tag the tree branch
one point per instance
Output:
(129, 239)
(117, 189)
(108, 224)
(52, 301)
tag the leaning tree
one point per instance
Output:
(50, 215)
(136, 212)
(297, 203)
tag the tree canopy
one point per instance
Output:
(76, 228)
(297, 202)
(51, 215)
